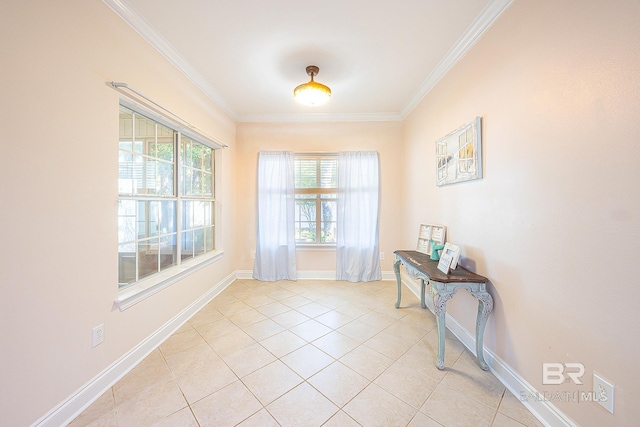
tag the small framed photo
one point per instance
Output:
(453, 251)
(445, 262)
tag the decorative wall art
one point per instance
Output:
(459, 154)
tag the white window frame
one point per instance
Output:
(144, 288)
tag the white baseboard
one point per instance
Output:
(66, 411)
(544, 411)
(313, 275)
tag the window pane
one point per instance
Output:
(127, 221)
(165, 178)
(147, 258)
(126, 264)
(306, 173)
(167, 217)
(328, 173)
(187, 245)
(305, 232)
(168, 252)
(328, 223)
(209, 238)
(305, 210)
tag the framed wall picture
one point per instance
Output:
(459, 154)
(428, 232)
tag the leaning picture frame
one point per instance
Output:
(428, 232)
(453, 251)
(459, 154)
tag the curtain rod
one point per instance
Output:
(121, 86)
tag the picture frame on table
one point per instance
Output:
(428, 232)
(454, 252)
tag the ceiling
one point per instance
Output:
(379, 57)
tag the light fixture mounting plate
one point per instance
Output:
(312, 70)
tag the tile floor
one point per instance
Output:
(308, 353)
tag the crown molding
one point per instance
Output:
(320, 117)
(142, 27)
(457, 51)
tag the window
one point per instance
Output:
(316, 198)
(166, 198)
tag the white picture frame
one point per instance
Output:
(454, 252)
(445, 263)
(428, 232)
(459, 154)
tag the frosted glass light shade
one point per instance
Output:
(312, 93)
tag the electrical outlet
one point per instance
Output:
(98, 334)
(381, 255)
(603, 392)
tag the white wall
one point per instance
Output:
(555, 223)
(59, 193)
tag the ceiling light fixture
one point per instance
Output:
(312, 93)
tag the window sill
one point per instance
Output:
(147, 287)
(316, 247)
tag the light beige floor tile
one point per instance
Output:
(513, 408)
(377, 319)
(260, 419)
(101, 413)
(229, 343)
(303, 406)
(353, 310)
(341, 419)
(226, 407)
(191, 359)
(206, 379)
(390, 345)
(150, 405)
(295, 301)
(338, 383)
(247, 318)
(334, 319)
(307, 360)
(406, 331)
(182, 418)
(271, 382)
(283, 343)
(467, 377)
(234, 308)
(422, 356)
(359, 331)
(452, 408)
(310, 330)
(290, 319)
(377, 407)
(406, 384)
(280, 294)
(367, 362)
(335, 344)
(502, 420)
(421, 420)
(185, 327)
(206, 315)
(273, 309)
(424, 320)
(210, 331)
(180, 341)
(332, 301)
(261, 330)
(256, 301)
(248, 359)
(152, 371)
(313, 309)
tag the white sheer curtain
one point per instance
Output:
(357, 248)
(275, 241)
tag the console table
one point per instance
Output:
(443, 287)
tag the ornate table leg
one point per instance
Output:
(396, 269)
(485, 305)
(422, 289)
(440, 307)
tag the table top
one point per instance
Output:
(424, 264)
